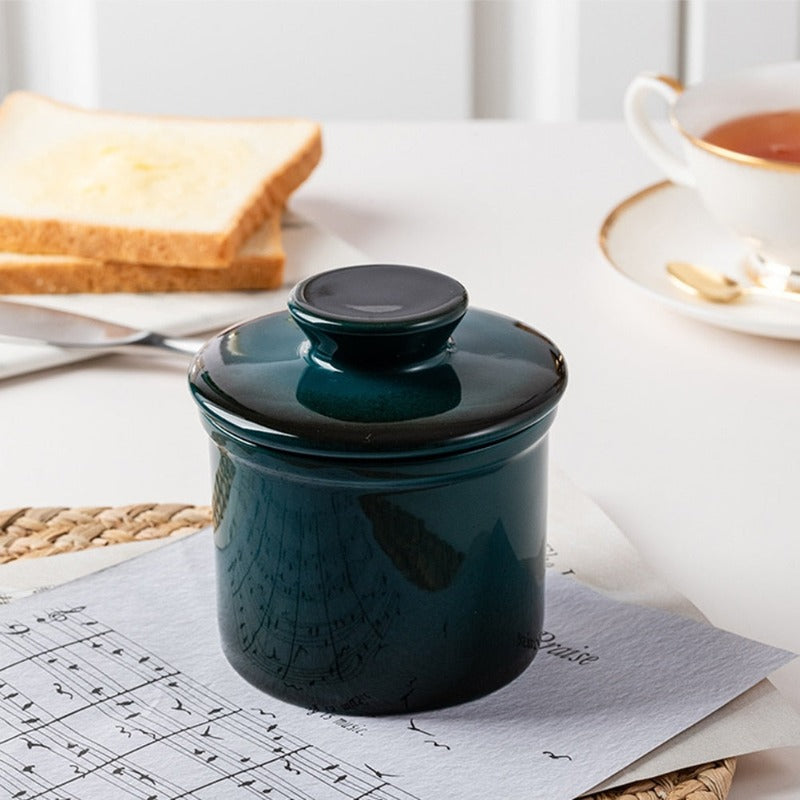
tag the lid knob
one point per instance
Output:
(378, 316)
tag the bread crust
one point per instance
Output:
(49, 274)
(195, 249)
(84, 276)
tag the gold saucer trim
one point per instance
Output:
(720, 315)
(619, 209)
(791, 280)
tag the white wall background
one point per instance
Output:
(379, 59)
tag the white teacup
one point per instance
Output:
(755, 197)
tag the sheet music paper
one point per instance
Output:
(108, 689)
(584, 543)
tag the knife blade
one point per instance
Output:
(32, 324)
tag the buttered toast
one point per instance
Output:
(259, 264)
(144, 190)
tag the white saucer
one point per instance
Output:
(665, 223)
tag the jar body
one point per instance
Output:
(380, 586)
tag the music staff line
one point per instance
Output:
(186, 697)
(277, 757)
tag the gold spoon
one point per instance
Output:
(715, 286)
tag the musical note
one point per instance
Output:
(554, 756)
(180, 707)
(207, 733)
(412, 727)
(144, 777)
(16, 629)
(379, 774)
(31, 744)
(109, 686)
(61, 616)
(61, 690)
(437, 744)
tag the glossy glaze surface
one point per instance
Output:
(378, 588)
(398, 386)
(380, 469)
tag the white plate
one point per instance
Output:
(309, 250)
(665, 223)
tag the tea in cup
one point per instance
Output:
(741, 153)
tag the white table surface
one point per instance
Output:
(686, 435)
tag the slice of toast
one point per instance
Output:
(142, 189)
(258, 265)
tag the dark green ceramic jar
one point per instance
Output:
(380, 470)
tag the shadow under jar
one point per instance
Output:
(379, 455)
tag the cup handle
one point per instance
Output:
(641, 126)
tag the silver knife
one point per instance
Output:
(31, 324)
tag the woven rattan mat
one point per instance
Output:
(34, 532)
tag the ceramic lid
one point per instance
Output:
(377, 361)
